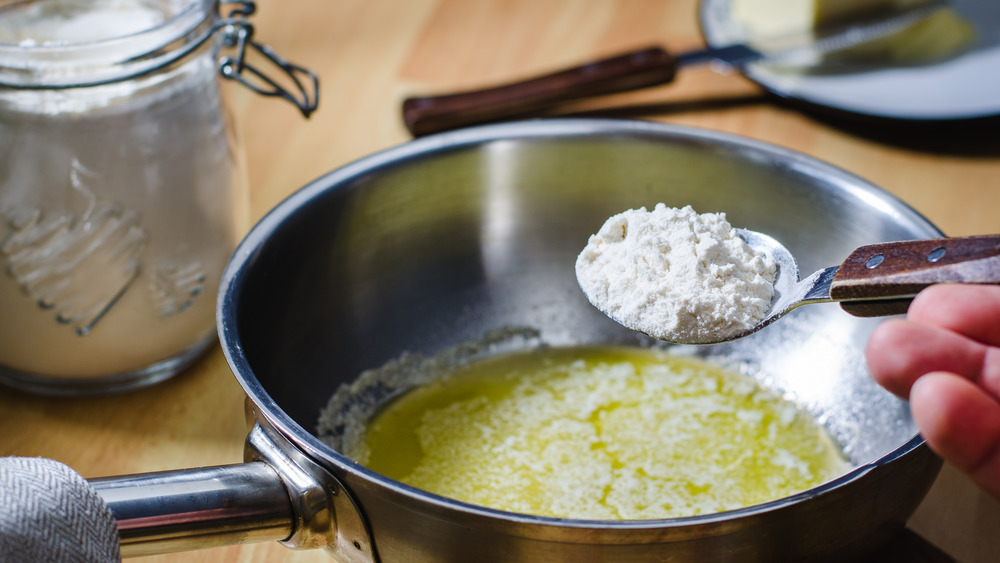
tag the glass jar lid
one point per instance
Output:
(66, 43)
(54, 44)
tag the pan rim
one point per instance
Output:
(233, 277)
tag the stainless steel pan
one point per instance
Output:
(440, 240)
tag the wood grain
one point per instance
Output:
(881, 279)
(370, 55)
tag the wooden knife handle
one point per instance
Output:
(881, 279)
(620, 73)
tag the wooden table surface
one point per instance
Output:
(369, 55)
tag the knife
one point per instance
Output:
(642, 68)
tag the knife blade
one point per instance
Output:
(651, 66)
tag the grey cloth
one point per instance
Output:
(48, 512)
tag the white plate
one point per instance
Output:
(964, 87)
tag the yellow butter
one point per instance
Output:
(600, 433)
(943, 34)
(781, 17)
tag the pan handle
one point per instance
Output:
(172, 511)
(280, 493)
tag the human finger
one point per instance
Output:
(961, 422)
(900, 351)
(969, 309)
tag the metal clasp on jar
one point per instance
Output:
(238, 34)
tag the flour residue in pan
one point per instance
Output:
(343, 421)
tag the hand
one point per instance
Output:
(945, 358)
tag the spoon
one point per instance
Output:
(875, 280)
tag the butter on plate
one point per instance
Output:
(941, 35)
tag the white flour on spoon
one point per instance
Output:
(676, 275)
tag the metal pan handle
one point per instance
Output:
(279, 494)
(172, 511)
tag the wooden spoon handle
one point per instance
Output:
(621, 73)
(881, 279)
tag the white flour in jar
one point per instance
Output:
(61, 22)
(119, 203)
(676, 275)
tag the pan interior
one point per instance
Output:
(444, 245)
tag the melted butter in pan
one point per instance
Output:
(600, 433)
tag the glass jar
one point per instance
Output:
(122, 191)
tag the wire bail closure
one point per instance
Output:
(238, 35)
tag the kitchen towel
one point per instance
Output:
(51, 513)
